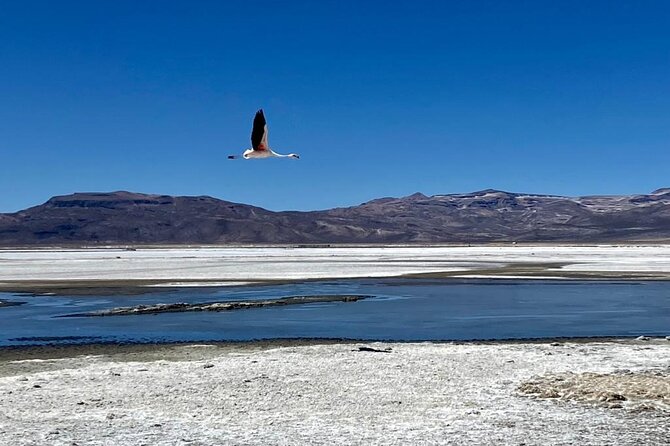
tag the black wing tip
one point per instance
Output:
(260, 116)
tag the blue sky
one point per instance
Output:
(380, 98)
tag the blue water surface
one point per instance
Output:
(400, 310)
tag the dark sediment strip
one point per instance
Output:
(180, 307)
(10, 303)
(55, 338)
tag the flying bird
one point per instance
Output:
(259, 141)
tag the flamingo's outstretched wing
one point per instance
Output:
(259, 133)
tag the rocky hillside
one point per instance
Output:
(484, 216)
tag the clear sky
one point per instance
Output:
(380, 98)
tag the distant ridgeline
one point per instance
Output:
(478, 217)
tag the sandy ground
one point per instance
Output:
(285, 393)
(116, 270)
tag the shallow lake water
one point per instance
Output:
(399, 310)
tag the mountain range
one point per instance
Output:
(477, 217)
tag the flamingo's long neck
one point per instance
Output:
(290, 155)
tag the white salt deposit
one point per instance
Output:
(231, 265)
(334, 394)
(199, 284)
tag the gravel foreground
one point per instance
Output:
(286, 393)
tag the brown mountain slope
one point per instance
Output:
(484, 216)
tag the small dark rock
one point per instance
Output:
(371, 349)
(615, 397)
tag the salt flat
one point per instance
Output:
(235, 265)
(614, 392)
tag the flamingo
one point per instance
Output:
(259, 141)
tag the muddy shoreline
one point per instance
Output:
(70, 350)
(130, 287)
